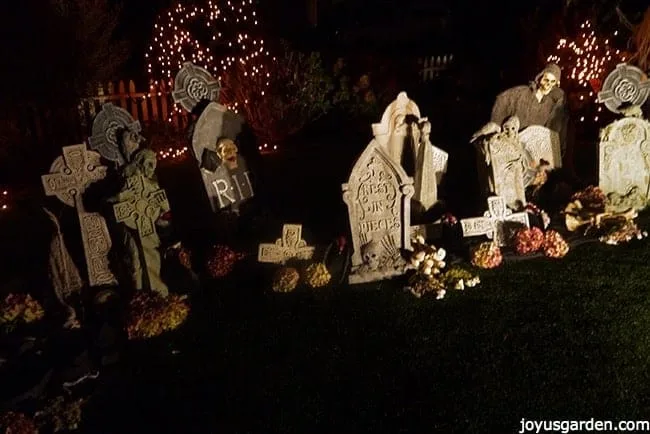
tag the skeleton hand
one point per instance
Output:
(487, 130)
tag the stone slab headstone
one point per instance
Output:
(194, 84)
(104, 138)
(542, 143)
(224, 186)
(507, 167)
(624, 163)
(626, 85)
(70, 175)
(289, 246)
(496, 222)
(378, 196)
(431, 165)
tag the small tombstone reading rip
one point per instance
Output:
(378, 196)
(496, 222)
(542, 143)
(225, 175)
(139, 205)
(105, 129)
(194, 84)
(624, 163)
(290, 246)
(70, 175)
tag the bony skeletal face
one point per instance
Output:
(547, 82)
(511, 127)
(227, 151)
(371, 254)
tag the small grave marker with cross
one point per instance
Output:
(70, 175)
(495, 221)
(290, 246)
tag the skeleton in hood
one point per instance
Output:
(542, 102)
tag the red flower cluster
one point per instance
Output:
(528, 240)
(554, 245)
(222, 261)
(17, 423)
(487, 255)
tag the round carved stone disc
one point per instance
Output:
(626, 85)
(104, 133)
(194, 84)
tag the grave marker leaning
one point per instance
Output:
(496, 222)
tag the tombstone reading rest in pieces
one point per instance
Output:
(69, 177)
(115, 134)
(378, 197)
(624, 163)
(497, 223)
(290, 246)
(138, 206)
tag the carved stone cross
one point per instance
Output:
(141, 206)
(194, 84)
(290, 246)
(627, 84)
(70, 175)
(495, 221)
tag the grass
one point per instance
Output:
(539, 339)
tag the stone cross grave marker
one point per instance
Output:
(625, 85)
(542, 144)
(290, 246)
(624, 150)
(194, 84)
(141, 203)
(228, 183)
(104, 133)
(495, 222)
(70, 175)
(378, 196)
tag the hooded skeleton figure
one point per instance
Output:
(542, 102)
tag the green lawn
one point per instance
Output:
(538, 339)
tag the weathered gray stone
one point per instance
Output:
(542, 143)
(194, 84)
(626, 85)
(290, 246)
(104, 138)
(497, 222)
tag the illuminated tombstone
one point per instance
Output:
(624, 150)
(115, 134)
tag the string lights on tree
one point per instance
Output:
(586, 61)
(221, 36)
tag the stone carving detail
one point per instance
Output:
(626, 85)
(225, 175)
(290, 246)
(624, 169)
(507, 164)
(392, 133)
(194, 84)
(108, 122)
(431, 164)
(542, 143)
(70, 175)
(378, 196)
(497, 223)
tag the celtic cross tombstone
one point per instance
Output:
(140, 204)
(194, 84)
(290, 246)
(624, 151)
(496, 221)
(70, 175)
(104, 138)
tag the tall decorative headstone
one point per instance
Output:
(194, 84)
(138, 206)
(393, 133)
(70, 175)
(542, 143)
(624, 163)
(378, 196)
(497, 223)
(106, 139)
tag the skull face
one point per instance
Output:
(227, 151)
(511, 127)
(547, 82)
(371, 255)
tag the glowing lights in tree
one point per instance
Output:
(4, 200)
(585, 63)
(218, 35)
(172, 153)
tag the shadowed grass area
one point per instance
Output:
(538, 339)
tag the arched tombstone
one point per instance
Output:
(115, 134)
(624, 151)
